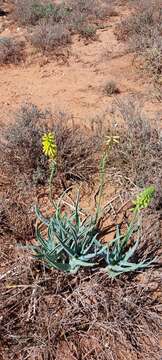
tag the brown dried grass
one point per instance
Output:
(90, 314)
(11, 51)
(143, 31)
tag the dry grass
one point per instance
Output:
(17, 217)
(32, 11)
(51, 24)
(143, 31)
(11, 51)
(21, 149)
(26, 170)
(56, 21)
(48, 36)
(21, 152)
(88, 32)
(23, 169)
(45, 314)
(139, 154)
(78, 148)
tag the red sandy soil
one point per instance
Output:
(74, 84)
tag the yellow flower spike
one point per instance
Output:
(143, 199)
(49, 146)
(110, 140)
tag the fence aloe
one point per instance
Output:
(71, 240)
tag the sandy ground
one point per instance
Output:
(76, 84)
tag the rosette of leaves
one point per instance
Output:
(119, 254)
(70, 242)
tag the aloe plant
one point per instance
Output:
(70, 242)
(118, 254)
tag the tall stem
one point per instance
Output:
(102, 171)
(53, 173)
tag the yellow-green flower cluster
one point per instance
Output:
(143, 199)
(111, 140)
(49, 146)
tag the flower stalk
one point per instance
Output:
(110, 141)
(50, 150)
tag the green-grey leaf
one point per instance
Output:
(41, 217)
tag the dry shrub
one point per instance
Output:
(143, 30)
(26, 12)
(86, 6)
(88, 32)
(139, 154)
(140, 21)
(25, 169)
(48, 36)
(111, 88)
(78, 148)
(93, 8)
(21, 149)
(32, 11)
(86, 14)
(72, 14)
(17, 216)
(11, 51)
(153, 55)
(43, 311)
(21, 153)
